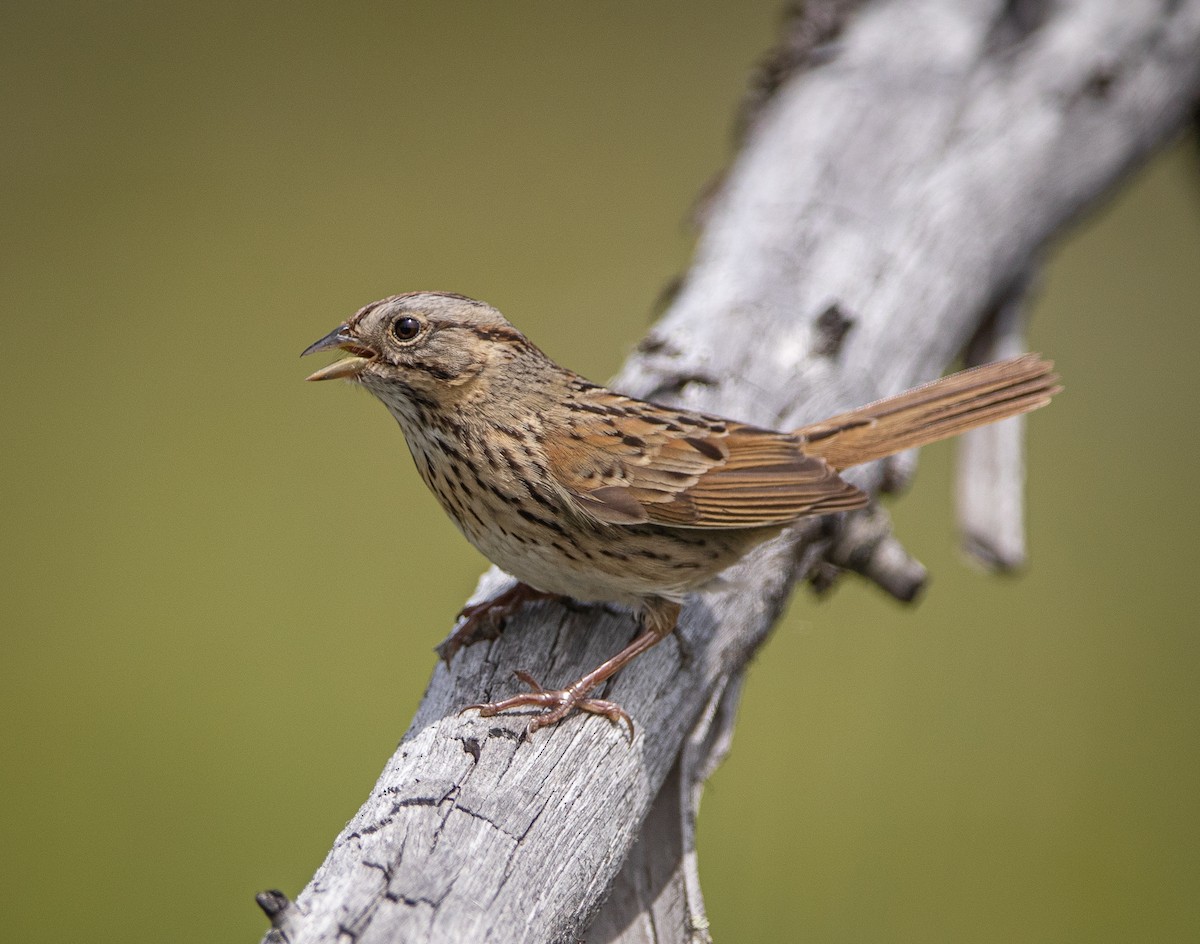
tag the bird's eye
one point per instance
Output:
(405, 329)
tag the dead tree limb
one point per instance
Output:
(902, 169)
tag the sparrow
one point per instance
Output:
(580, 492)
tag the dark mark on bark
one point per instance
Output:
(1016, 22)
(1100, 82)
(274, 903)
(673, 385)
(832, 326)
(809, 31)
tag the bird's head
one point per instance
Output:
(433, 343)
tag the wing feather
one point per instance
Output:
(628, 462)
(623, 461)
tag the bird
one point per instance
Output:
(582, 493)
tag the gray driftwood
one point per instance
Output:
(902, 166)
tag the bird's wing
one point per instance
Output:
(623, 461)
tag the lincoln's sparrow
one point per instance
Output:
(580, 492)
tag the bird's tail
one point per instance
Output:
(933, 411)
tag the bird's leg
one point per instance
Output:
(659, 619)
(484, 620)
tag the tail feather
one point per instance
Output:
(933, 411)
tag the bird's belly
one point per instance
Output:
(549, 570)
(527, 533)
(612, 563)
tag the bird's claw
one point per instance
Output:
(560, 702)
(485, 620)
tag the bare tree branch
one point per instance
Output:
(990, 496)
(903, 171)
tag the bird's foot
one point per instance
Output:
(486, 619)
(560, 702)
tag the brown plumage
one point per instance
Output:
(584, 493)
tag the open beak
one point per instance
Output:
(340, 339)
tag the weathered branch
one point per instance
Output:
(991, 460)
(904, 180)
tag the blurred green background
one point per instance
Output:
(221, 586)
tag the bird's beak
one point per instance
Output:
(340, 338)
